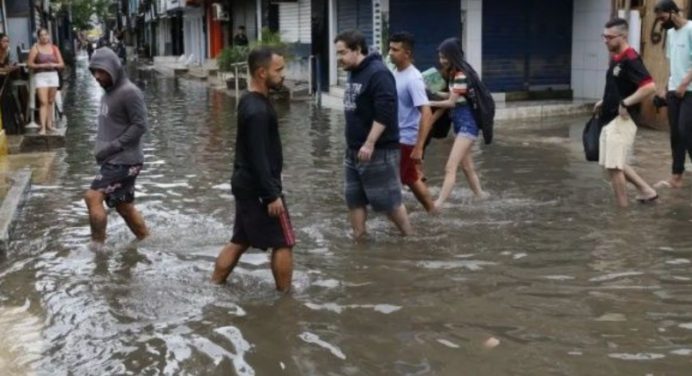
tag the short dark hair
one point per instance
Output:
(260, 57)
(666, 6)
(405, 38)
(39, 30)
(2, 35)
(617, 22)
(354, 40)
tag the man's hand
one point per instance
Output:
(597, 107)
(623, 112)
(276, 208)
(681, 90)
(365, 152)
(417, 154)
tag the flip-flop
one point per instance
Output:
(647, 200)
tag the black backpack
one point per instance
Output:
(481, 101)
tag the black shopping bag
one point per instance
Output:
(590, 138)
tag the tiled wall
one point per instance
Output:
(589, 55)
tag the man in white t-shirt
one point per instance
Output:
(414, 116)
(679, 89)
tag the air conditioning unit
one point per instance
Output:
(218, 13)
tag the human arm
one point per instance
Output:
(423, 131)
(384, 89)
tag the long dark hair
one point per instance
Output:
(451, 49)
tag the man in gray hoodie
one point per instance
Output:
(122, 122)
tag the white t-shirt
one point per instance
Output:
(679, 54)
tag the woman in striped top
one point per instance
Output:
(466, 130)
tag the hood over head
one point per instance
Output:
(105, 59)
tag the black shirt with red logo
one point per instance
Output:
(625, 76)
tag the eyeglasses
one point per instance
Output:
(608, 38)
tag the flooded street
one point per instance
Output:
(568, 284)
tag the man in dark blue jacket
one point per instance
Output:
(372, 135)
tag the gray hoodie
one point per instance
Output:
(122, 116)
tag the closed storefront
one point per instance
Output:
(442, 20)
(527, 45)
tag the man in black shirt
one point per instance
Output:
(628, 83)
(261, 217)
(240, 39)
(371, 163)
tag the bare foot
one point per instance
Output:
(671, 183)
(42, 132)
(96, 246)
(482, 196)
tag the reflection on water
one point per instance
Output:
(568, 284)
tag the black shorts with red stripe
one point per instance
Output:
(254, 227)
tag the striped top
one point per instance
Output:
(459, 86)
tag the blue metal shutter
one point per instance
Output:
(527, 45)
(441, 20)
(355, 14)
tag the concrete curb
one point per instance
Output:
(21, 181)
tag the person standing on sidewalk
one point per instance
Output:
(679, 93)
(372, 159)
(122, 122)
(628, 83)
(261, 215)
(414, 116)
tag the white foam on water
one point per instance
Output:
(241, 345)
(637, 356)
(315, 339)
(519, 256)
(169, 185)
(575, 353)
(473, 265)
(682, 352)
(283, 366)
(666, 249)
(46, 187)
(448, 343)
(679, 261)
(223, 187)
(559, 277)
(255, 259)
(612, 317)
(319, 251)
(681, 278)
(686, 325)
(611, 276)
(22, 344)
(218, 353)
(328, 283)
(157, 162)
(337, 308)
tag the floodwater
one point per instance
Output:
(567, 283)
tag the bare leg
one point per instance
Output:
(618, 181)
(357, 217)
(226, 261)
(134, 220)
(462, 146)
(400, 219)
(97, 215)
(282, 268)
(50, 123)
(420, 190)
(471, 176)
(645, 190)
(43, 108)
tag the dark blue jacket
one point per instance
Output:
(371, 96)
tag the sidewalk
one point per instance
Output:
(503, 110)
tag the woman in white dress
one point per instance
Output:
(46, 61)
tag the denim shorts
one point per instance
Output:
(375, 183)
(464, 123)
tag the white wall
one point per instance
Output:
(589, 54)
(472, 35)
